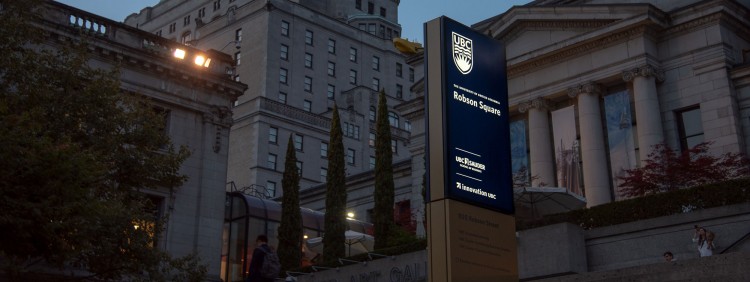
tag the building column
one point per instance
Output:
(541, 157)
(593, 152)
(647, 110)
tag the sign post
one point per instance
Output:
(471, 228)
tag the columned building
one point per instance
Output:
(191, 88)
(594, 85)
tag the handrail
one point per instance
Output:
(736, 243)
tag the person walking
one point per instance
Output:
(704, 240)
(256, 262)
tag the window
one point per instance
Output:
(172, 27)
(407, 125)
(331, 93)
(351, 130)
(370, 8)
(186, 20)
(381, 31)
(375, 84)
(271, 188)
(323, 150)
(358, 4)
(394, 146)
(350, 156)
(283, 75)
(202, 12)
(285, 28)
(308, 60)
(273, 135)
(331, 69)
(411, 74)
(186, 37)
(371, 28)
(323, 174)
(217, 5)
(363, 27)
(373, 113)
(371, 141)
(353, 77)
(382, 12)
(272, 161)
(376, 63)
(298, 142)
(372, 162)
(237, 58)
(331, 46)
(308, 37)
(308, 84)
(284, 52)
(307, 106)
(399, 70)
(299, 167)
(238, 35)
(389, 34)
(393, 119)
(353, 54)
(158, 33)
(399, 91)
(282, 97)
(690, 127)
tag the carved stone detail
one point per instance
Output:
(585, 88)
(538, 103)
(644, 71)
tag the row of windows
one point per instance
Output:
(350, 160)
(331, 89)
(383, 31)
(186, 20)
(370, 8)
(284, 55)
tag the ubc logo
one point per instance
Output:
(463, 53)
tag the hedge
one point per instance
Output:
(663, 204)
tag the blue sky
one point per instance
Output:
(412, 13)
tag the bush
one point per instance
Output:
(663, 204)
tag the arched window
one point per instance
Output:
(393, 119)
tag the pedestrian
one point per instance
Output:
(668, 256)
(256, 262)
(704, 240)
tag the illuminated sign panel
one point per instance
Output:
(475, 119)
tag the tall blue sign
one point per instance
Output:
(475, 119)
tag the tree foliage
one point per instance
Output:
(669, 170)
(335, 217)
(75, 154)
(384, 187)
(290, 229)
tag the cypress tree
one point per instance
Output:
(384, 187)
(335, 217)
(290, 229)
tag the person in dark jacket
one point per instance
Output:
(259, 254)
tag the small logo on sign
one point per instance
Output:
(463, 53)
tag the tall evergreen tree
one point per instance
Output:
(384, 187)
(335, 216)
(290, 229)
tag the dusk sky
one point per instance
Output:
(412, 13)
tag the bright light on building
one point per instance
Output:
(305, 236)
(179, 53)
(202, 61)
(350, 215)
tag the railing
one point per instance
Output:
(294, 113)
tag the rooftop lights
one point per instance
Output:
(202, 61)
(179, 53)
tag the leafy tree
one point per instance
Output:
(290, 229)
(75, 154)
(335, 217)
(384, 187)
(669, 170)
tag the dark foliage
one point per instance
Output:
(335, 216)
(290, 229)
(384, 187)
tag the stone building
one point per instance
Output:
(192, 88)
(593, 85)
(298, 59)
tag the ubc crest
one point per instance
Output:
(463, 53)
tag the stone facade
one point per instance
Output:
(197, 100)
(298, 59)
